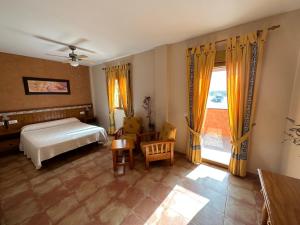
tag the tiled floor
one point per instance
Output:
(79, 188)
(216, 147)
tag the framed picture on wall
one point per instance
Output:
(46, 86)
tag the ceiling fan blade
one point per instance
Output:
(82, 56)
(86, 50)
(62, 43)
(58, 56)
(77, 42)
(88, 61)
(50, 40)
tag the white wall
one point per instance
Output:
(142, 76)
(161, 73)
(274, 94)
(291, 153)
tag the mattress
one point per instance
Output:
(45, 140)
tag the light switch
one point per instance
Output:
(1, 124)
(82, 112)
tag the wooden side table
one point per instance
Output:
(119, 148)
(282, 198)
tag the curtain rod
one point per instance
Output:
(258, 31)
(116, 66)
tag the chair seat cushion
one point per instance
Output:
(129, 136)
(132, 125)
(168, 132)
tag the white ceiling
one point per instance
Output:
(116, 28)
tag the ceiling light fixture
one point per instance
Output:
(74, 63)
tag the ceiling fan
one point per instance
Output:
(73, 58)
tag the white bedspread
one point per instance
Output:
(43, 141)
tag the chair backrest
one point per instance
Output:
(168, 132)
(132, 125)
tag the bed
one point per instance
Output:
(42, 141)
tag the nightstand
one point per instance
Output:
(9, 142)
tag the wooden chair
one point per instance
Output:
(159, 145)
(132, 127)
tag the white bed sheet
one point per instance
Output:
(43, 141)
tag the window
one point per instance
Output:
(216, 146)
(217, 97)
(117, 97)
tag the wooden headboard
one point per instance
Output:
(25, 117)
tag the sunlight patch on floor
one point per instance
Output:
(216, 155)
(203, 171)
(180, 201)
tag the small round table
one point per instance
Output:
(119, 148)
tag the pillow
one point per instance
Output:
(132, 125)
(168, 132)
(53, 123)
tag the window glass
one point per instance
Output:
(217, 97)
(117, 102)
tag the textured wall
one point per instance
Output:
(14, 67)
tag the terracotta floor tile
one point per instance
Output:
(16, 189)
(77, 217)
(230, 221)
(237, 210)
(114, 213)
(54, 196)
(47, 186)
(132, 219)
(241, 182)
(116, 187)
(242, 194)
(179, 170)
(17, 199)
(38, 219)
(13, 179)
(131, 197)
(75, 182)
(146, 207)
(131, 177)
(179, 198)
(104, 178)
(18, 214)
(97, 201)
(160, 192)
(61, 209)
(145, 185)
(85, 189)
(164, 216)
(79, 187)
(69, 175)
(171, 180)
(208, 216)
(41, 178)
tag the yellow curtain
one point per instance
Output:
(125, 89)
(111, 76)
(200, 63)
(243, 63)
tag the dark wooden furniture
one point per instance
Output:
(122, 155)
(9, 142)
(282, 199)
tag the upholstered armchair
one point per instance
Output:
(159, 145)
(132, 127)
